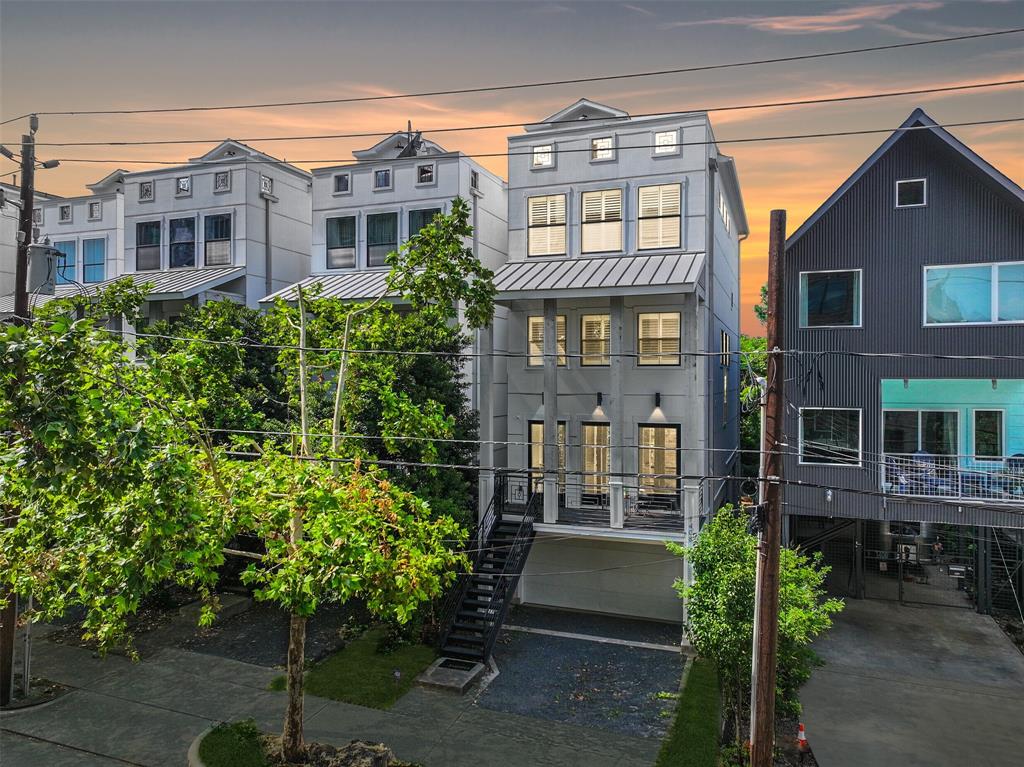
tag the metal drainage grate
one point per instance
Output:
(458, 665)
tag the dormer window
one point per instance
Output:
(543, 156)
(666, 142)
(183, 186)
(266, 184)
(342, 183)
(382, 179)
(425, 174)
(222, 181)
(602, 148)
(145, 191)
(95, 210)
(911, 193)
(64, 214)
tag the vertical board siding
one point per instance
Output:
(968, 219)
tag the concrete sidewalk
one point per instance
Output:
(915, 686)
(148, 713)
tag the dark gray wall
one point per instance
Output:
(969, 218)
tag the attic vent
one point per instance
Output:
(230, 153)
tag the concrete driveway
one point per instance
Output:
(915, 686)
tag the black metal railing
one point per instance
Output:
(474, 550)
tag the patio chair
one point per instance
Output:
(927, 475)
(1011, 481)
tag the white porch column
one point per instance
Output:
(616, 432)
(485, 407)
(691, 520)
(550, 410)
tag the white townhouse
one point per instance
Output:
(10, 212)
(622, 296)
(364, 210)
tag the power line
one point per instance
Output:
(495, 126)
(341, 162)
(535, 84)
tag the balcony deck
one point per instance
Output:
(596, 517)
(921, 475)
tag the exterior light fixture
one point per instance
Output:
(600, 399)
(50, 163)
(657, 399)
(828, 496)
(995, 384)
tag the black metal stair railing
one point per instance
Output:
(474, 549)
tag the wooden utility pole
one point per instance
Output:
(28, 170)
(9, 612)
(766, 610)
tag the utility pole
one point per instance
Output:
(9, 613)
(766, 607)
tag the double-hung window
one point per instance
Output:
(535, 340)
(94, 259)
(341, 242)
(420, 218)
(658, 217)
(594, 338)
(658, 338)
(381, 237)
(602, 221)
(659, 461)
(66, 262)
(545, 225)
(218, 240)
(147, 246)
(182, 235)
(974, 293)
(830, 436)
(830, 299)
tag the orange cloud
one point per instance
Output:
(842, 20)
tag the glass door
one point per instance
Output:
(535, 459)
(595, 464)
(659, 466)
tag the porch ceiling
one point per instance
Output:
(601, 276)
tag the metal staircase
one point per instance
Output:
(478, 602)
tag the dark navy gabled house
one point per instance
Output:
(907, 470)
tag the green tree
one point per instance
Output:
(761, 307)
(754, 369)
(720, 612)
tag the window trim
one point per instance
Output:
(639, 354)
(860, 439)
(152, 190)
(88, 210)
(613, 149)
(37, 216)
(678, 451)
(584, 224)
(565, 224)
(678, 216)
(924, 182)
(534, 165)
(355, 243)
(920, 411)
(673, 151)
(562, 471)
(177, 190)
(391, 179)
(230, 240)
(85, 266)
(860, 299)
(604, 495)
(607, 356)
(195, 241)
(565, 343)
(474, 181)
(334, 184)
(994, 267)
(1002, 434)
(74, 265)
(159, 246)
(71, 214)
(438, 211)
(433, 174)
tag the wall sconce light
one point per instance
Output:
(995, 384)
(906, 383)
(600, 399)
(657, 399)
(828, 496)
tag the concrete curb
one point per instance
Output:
(193, 750)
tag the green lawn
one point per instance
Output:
(359, 674)
(693, 739)
(232, 745)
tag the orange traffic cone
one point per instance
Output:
(801, 740)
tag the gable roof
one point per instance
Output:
(230, 150)
(109, 182)
(918, 120)
(390, 147)
(584, 109)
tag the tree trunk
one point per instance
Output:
(292, 747)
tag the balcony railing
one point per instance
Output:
(936, 476)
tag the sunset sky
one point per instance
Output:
(83, 55)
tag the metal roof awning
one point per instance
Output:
(350, 286)
(602, 276)
(174, 284)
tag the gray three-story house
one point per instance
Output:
(906, 464)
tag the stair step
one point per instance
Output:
(484, 593)
(462, 638)
(462, 653)
(482, 603)
(469, 626)
(469, 616)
